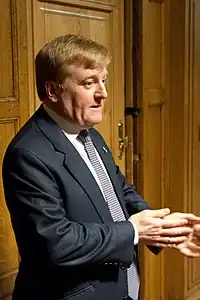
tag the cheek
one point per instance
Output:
(84, 101)
(69, 99)
(78, 103)
(66, 105)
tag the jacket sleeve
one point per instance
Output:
(133, 201)
(40, 223)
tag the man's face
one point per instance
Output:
(82, 98)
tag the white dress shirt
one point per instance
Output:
(71, 133)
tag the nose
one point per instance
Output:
(102, 92)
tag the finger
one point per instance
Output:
(188, 216)
(158, 244)
(191, 217)
(197, 230)
(159, 213)
(176, 231)
(196, 240)
(174, 215)
(192, 246)
(168, 223)
(187, 252)
(162, 245)
(165, 240)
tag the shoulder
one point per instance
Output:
(95, 134)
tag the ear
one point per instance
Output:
(51, 88)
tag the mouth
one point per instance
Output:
(95, 106)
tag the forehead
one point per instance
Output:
(81, 73)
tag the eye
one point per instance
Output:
(89, 84)
(104, 80)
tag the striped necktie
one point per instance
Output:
(113, 205)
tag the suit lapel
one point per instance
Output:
(73, 162)
(82, 174)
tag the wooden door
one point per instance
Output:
(190, 108)
(167, 38)
(151, 144)
(102, 22)
(160, 134)
(14, 111)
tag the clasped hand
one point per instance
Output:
(161, 229)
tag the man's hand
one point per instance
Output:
(191, 247)
(154, 228)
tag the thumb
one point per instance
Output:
(160, 213)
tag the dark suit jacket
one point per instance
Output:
(69, 246)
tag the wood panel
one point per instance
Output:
(152, 102)
(6, 52)
(170, 72)
(176, 285)
(99, 4)
(164, 137)
(103, 25)
(14, 111)
(130, 91)
(8, 249)
(192, 115)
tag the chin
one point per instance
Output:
(91, 123)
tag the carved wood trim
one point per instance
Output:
(65, 12)
(98, 5)
(157, 1)
(192, 285)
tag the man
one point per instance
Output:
(75, 219)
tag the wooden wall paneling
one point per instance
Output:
(136, 94)
(8, 128)
(128, 23)
(153, 118)
(98, 4)
(6, 52)
(174, 262)
(30, 57)
(14, 111)
(22, 60)
(117, 78)
(8, 249)
(171, 119)
(192, 133)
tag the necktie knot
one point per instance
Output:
(84, 136)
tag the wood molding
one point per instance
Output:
(157, 1)
(106, 5)
(152, 102)
(192, 121)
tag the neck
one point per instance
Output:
(61, 120)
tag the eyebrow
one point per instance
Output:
(95, 76)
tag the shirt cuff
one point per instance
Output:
(136, 237)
